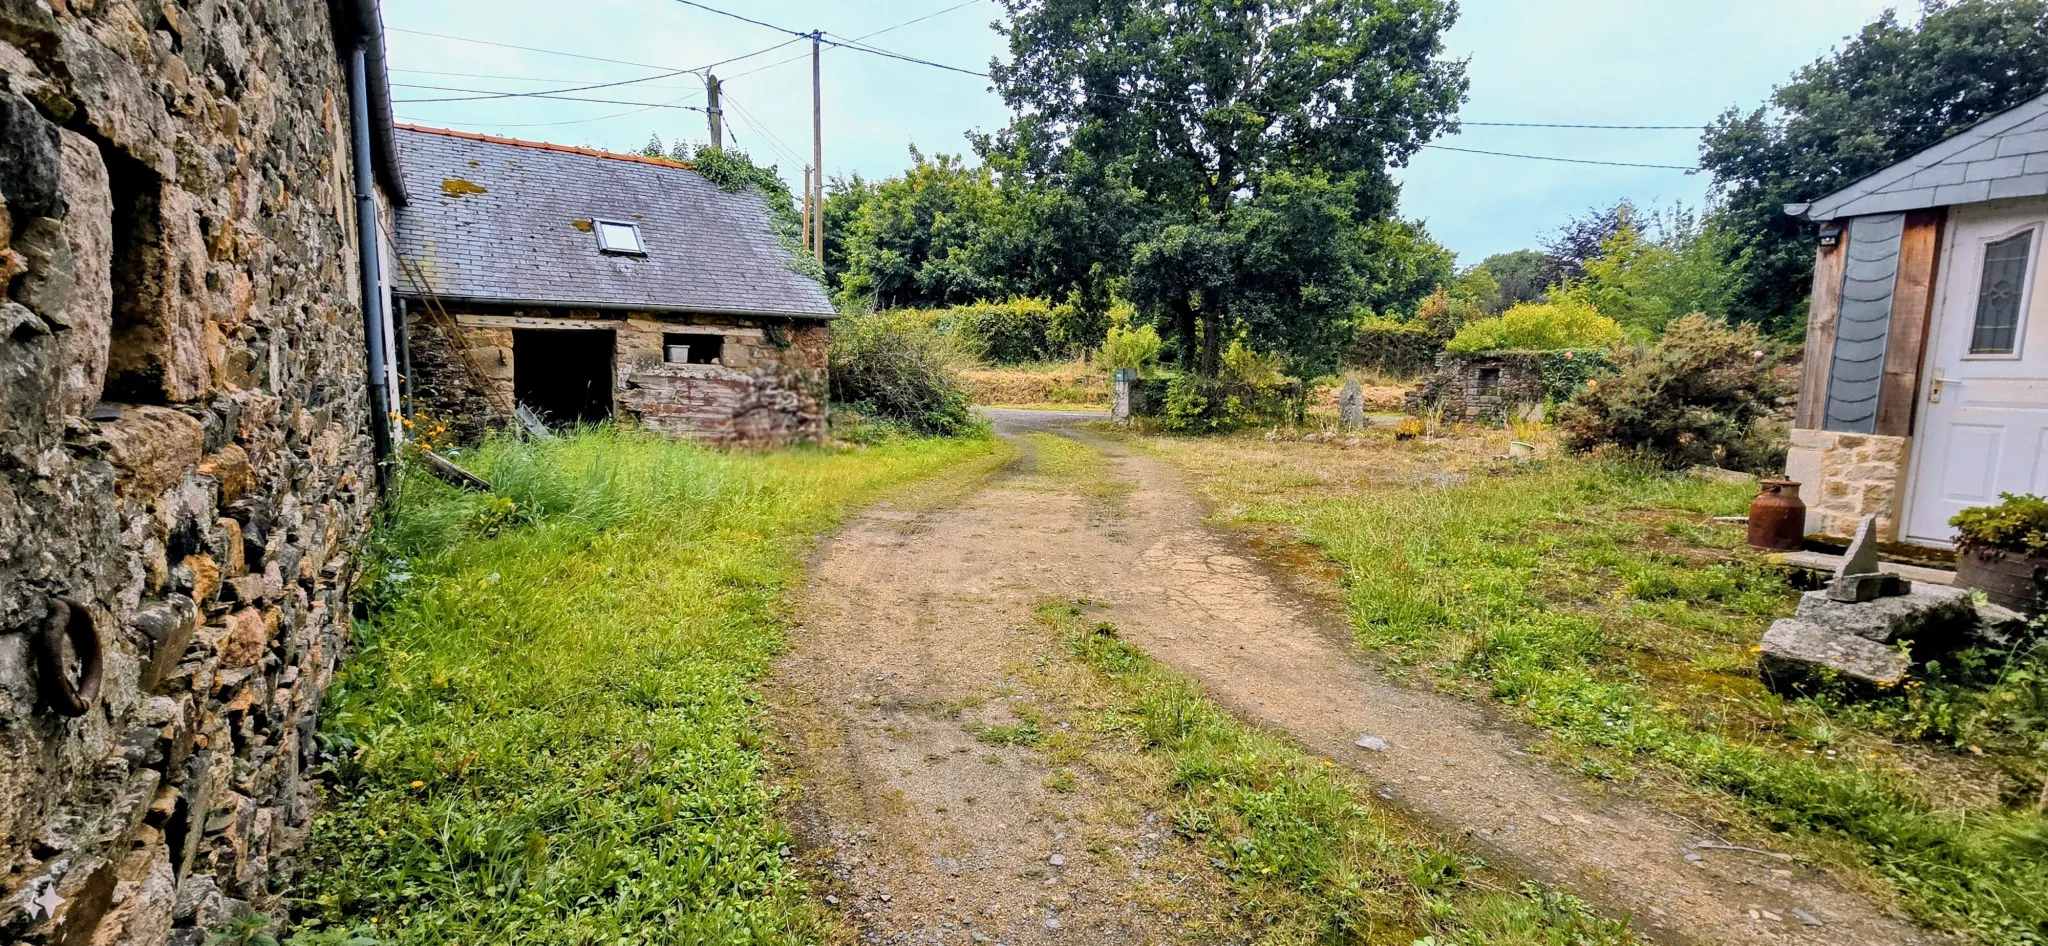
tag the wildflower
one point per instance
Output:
(416, 783)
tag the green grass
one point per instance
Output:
(1310, 861)
(1594, 600)
(550, 732)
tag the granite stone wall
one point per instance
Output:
(769, 388)
(184, 470)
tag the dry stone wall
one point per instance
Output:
(183, 466)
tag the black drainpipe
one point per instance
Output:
(370, 263)
(404, 357)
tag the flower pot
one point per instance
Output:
(2010, 579)
(1777, 517)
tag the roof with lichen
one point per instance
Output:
(506, 221)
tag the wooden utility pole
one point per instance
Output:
(817, 149)
(713, 111)
(807, 208)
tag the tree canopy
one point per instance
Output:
(1892, 90)
(1247, 144)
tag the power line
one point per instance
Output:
(819, 36)
(878, 51)
(487, 75)
(1544, 157)
(539, 95)
(530, 49)
(1599, 127)
(775, 141)
(785, 62)
(555, 93)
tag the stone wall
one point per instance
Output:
(768, 390)
(1843, 477)
(1478, 388)
(182, 452)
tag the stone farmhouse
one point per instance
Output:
(587, 286)
(1926, 382)
(194, 380)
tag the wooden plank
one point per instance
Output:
(1912, 312)
(1823, 562)
(1820, 333)
(540, 322)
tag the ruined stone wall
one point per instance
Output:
(182, 453)
(768, 390)
(1464, 392)
(1843, 477)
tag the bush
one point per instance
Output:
(2019, 524)
(1696, 397)
(1538, 326)
(1399, 349)
(898, 367)
(1126, 347)
(1006, 333)
(1251, 390)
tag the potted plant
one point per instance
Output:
(2002, 551)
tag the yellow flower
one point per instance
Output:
(416, 783)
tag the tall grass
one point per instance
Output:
(549, 732)
(1530, 583)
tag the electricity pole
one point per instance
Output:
(818, 149)
(713, 112)
(807, 208)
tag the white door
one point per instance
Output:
(1984, 408)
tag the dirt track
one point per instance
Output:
(917, 619)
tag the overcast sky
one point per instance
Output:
(1667, 62)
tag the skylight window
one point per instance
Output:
(616, 237)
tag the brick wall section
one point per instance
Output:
(1844, 477)
(769, 390)
(181, 450)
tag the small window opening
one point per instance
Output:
(1999, 296)
(688, 348)
(616, 237)
(1489, 380)
(138, 341)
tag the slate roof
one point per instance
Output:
(2003, 156)
(506, 221)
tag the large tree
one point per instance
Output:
(1891, 90)
(1257, 136)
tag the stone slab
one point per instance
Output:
(1930, 614)
(1797, 653)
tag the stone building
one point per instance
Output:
(587, 286)
(187, 443)
(1925, 389)
(1490, 387)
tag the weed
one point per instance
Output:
(550, 731)
(1557, 590)
(1311, 861)
(1020, 735)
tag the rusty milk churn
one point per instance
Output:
(1777, 517)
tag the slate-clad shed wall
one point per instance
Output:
(1869, 280)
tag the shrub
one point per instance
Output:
(1006, 333)
(1399, 349)
(899, 368)
(1695, 397)
(1126, 347)
(1251, 390)
(1539, 326)
(2018, 524)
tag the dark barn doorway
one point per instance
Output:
(565, 376)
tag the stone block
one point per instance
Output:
(1930, 615)
(152, 448)
(1799, 654)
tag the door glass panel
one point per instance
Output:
(1998, 296)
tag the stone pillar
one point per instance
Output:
(1122, 389)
